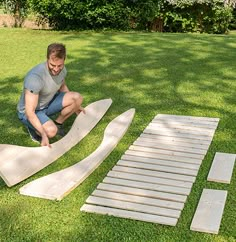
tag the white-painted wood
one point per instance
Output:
(129, 214)
(152, 180)
(142, 192)
(32, 159)
(164, 163)
(175, 139)
(139, 199)
(152, 173)
(184, 130)
(182, 117)
(165, 152)
(177, 134)
(169, 147)
(145, 185)
(58, 184)
(164, 157)
(133, 206)
(222, 168)
(208, 215)
(201, 147)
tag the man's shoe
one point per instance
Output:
(34, 136)
(60, 130)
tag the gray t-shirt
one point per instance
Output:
(39, 81)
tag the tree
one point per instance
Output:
(17, 8)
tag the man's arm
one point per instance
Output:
(31, 101)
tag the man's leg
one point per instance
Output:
(71, 104)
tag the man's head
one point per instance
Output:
(56, 55)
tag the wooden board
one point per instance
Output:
(18, 163)
(139, 199)
(207, 217)
(152, 173)
(156, 172)
(147, 186)
(58, 184)
(165, 152)
(222, 168)
(129, 214)
(161, 162)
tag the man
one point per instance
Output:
(45, 93)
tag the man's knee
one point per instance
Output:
(50, 129)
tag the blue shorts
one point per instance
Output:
(55, 106)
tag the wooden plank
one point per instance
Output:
(165, 152)
(184, 130)
(129, 214)
(176, 139)
(182, 117)
(143, 171)
(207, 217)
(173, 143)
(185, 125)
(164, 157)
(222, 168)
(163, 164)
(169, 147)
(130, 206)
(58, 184)
(26, 163)
(152, 180)
(139, 199)
(176, 134)
(145, 185)
(142, 192)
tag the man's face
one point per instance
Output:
(55, 65)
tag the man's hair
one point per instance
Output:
(56, 50)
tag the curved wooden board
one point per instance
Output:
(18, 163)
(57, 185)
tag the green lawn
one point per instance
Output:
(184, 74)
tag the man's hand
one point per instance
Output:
(45, 141)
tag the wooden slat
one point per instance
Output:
(142, 192)
(143, 171)
(175, 139)
(164, 157)
(173, 143)
(145, 185)
(26, 163)
(165, 152)
(207, 217)
(169, 147)
(129, 214)
(152, 180)
(222, 167)
(163, 163)
(58, 184)
(112, 203)
(176, 134)
(182, 117)
(180, 125)
(139, 199)
(208, 133)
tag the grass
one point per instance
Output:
(184, 74)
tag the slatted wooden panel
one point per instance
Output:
(152, 180)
